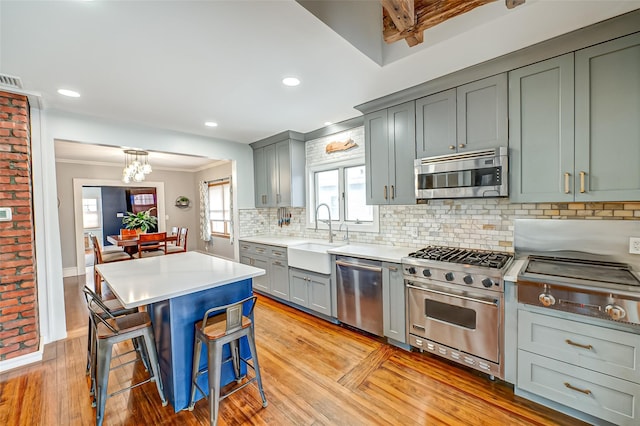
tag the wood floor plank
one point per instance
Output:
(314, 373)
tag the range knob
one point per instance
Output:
(411, 270)
(547, 299)
(615, 312)
(468, 279)
(426, 273)
(449, 276)
(488, 282)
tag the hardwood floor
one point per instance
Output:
(314, 373)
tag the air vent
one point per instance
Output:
(9, 80)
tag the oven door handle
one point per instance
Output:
(493, 302)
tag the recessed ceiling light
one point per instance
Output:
(211, 124)
(290, 81)
(327, 123)
(69, 93)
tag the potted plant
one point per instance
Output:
(142, 221)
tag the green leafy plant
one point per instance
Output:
(141, 220)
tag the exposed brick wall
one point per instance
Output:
(19, 334)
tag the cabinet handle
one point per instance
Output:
(259, 250)
(566, 182)
(582, 182)
(461, 145)
(277, 262)
(393, 268)
(452, 147)
(584, 391)
(587, 347)
(385, 192)
(393, 192)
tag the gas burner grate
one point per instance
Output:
(488, 259)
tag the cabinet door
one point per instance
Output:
(402, 153)
(482, 114)
(608, 121)
(319, 290)
(279, 277)
(271, 175)
(393, 307)
(283, 175)
(261, 283)
(260, 177)
(376, 141)
(298, 288)
(541, 131)
(436, 124)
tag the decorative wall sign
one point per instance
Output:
(182, 202)
(340, 146)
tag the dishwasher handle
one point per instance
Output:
(358, 266)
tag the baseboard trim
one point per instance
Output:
(23, 360)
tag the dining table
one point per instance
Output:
(177, 290)
(130, 242)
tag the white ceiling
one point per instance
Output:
(176, 64)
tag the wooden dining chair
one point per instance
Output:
(101, 256)
(181, 243)
(153, 244)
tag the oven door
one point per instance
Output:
(467, 322)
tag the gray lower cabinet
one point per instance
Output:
(574, 128)
(466, 118)
(389, 155)
(393, 302)
(592, 369)
(311, 290)
(273, 260)
(279, 163)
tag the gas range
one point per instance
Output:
(464, 267)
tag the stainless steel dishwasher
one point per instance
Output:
(359, 283)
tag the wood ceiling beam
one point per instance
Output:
(401, 13)
(427, 13)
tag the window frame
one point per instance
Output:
(226, 210)
(373, 226)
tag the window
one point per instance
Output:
(220, 208)
(341, 187)
(90, 213)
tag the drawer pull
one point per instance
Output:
(587, 347)
(584, 391)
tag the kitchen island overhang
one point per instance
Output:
(177, 290)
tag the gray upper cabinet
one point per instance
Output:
(467, 118)
(389, 155)
(608, 121)
(541, 144)
(436, 124)
(279, 163)
(590, 152)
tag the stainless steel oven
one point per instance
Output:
(455, 305)
(466, 321)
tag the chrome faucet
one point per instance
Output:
(346, 237)
(325, 221)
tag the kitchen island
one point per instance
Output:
(177, 289)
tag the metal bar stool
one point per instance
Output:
(216, 330)
(104, 308)
(112, 330)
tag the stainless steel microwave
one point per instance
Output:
(473, 174)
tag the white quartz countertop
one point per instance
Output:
(142, 281)
(392, 254)
(514, 270)
(366, 251)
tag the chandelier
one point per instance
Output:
(136, 166)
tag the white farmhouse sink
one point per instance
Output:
(310, 257)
